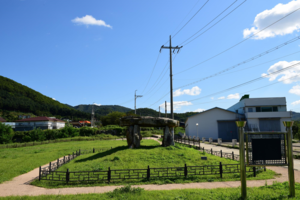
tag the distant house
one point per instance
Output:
(39, 122)
(2, 120)
(261, 114)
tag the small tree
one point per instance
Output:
(6, 133)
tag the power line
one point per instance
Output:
(152, 71)
(184, 18)
(239, 42)
(253, 89)
(158, 83)
(190, 18)
(248, 82)
(245, 61)
(214, 20)
(242, 84)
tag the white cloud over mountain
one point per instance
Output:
(199, 110)
(90, 20)
(193, 92)
(267, 17)
(287, 74)
(96, 104)
(176, 105)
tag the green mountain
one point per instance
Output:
(106, 109)
(17, 97)
(102, 110)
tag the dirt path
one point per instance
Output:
(21, 185)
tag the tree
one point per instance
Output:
(6, 133)
(112, 118)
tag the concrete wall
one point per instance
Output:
(208, 125)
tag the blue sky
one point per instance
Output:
(80, 52)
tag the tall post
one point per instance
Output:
(135, 97)
(288, 125)
(166, 108)
(171, 80)
(241, 125)
(158, 111)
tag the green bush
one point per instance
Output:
(6, 133)
(86, 131)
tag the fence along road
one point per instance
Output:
(21, 185)
(236, 152)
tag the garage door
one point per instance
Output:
(227, 130)
(269, 124)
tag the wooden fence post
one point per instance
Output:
(79, 152)
(57, 165)
(203, 149)
(148, 173)
(93, 150)
(108, 175)
(40, 173)
(67, 176)
(232, 155)
(185, 171)
(254, 171)
(49, 167)
(221, 170)
(221, 153)
(211, 151)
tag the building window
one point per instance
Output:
(275, 109)
(236, 111)
(266, 109)
(250, 109)
(258, 109)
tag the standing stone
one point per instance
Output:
(129, 136)
(168, 137)
(136, 136)
(219, 141)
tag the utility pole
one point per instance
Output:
(171, 78)
(158, 111)
(135, 97)
(166, 108)
(171, 75)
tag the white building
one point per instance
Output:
(261, 114)
(39, 122)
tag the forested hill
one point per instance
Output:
(106, 109)
(102, 110)
(17, 97)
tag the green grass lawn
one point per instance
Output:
(17, 161)
(271, 192)
(152, 154)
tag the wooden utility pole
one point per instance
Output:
(166, 108)
(159, 111)
(135, 97)
(171, 75)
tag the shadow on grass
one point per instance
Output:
(111, 151)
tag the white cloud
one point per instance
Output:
(283, 27)
(193, 92)
(54, 99)
(96, 104)
(295, 102)
(287, 74)
(212, 98)
(233, 96)
(90, 20)
(295, 90)
(176, 105)
(199, 110)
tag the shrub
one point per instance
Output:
(86, 131)
(6, 133)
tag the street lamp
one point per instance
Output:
(197, 129)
